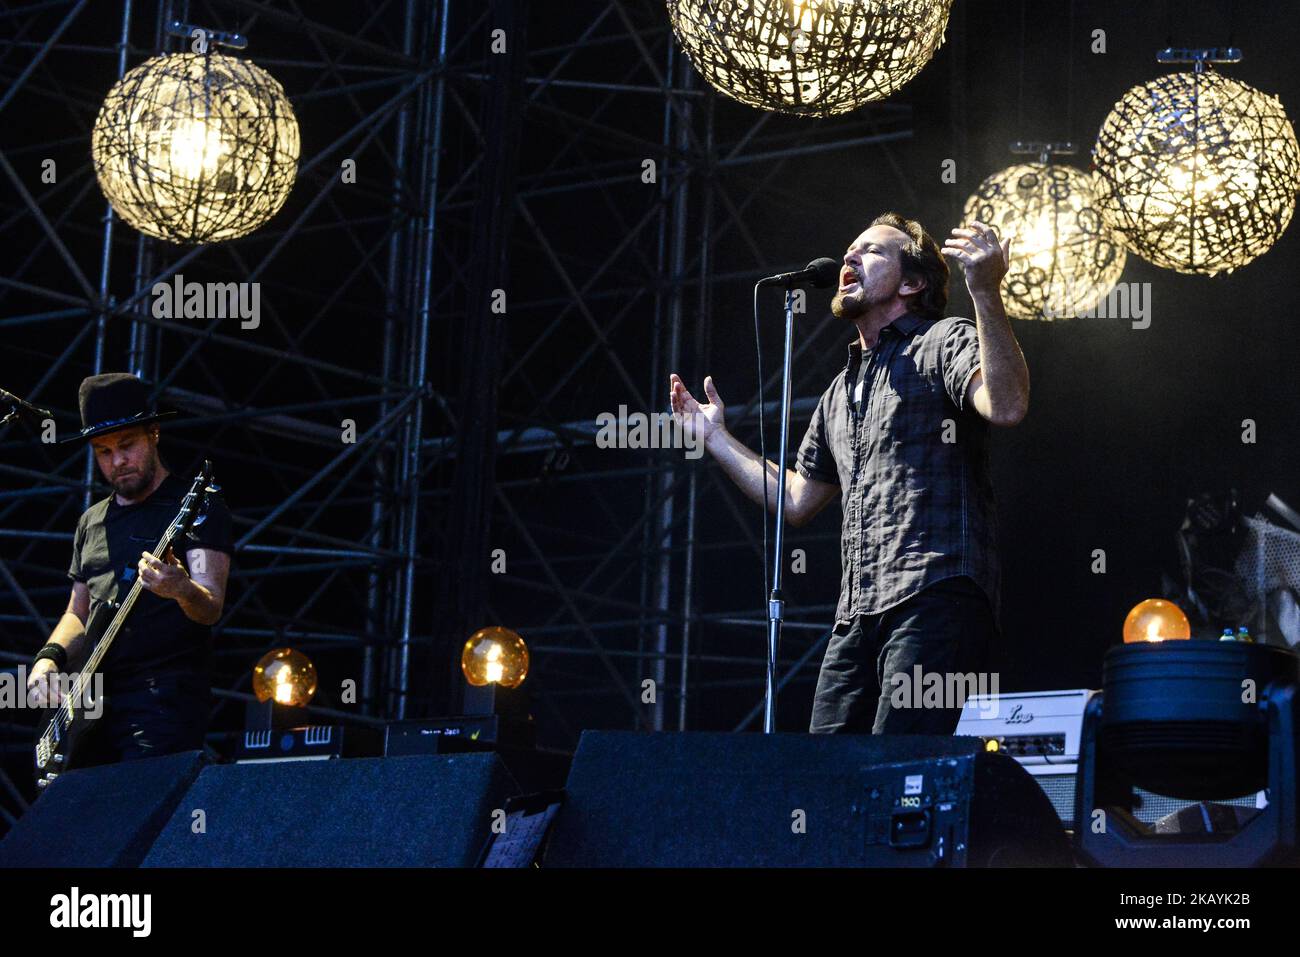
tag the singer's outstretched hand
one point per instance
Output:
(984, 259)
(701, 420)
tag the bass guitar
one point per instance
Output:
(67, 721)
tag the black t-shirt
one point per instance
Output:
(106, 550)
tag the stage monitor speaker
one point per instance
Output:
(800, 800)
(106, 816)
(416, 811)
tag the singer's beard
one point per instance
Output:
(850, 306)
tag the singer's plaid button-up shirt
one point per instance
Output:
(894, 432)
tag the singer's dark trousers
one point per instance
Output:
(947, 627)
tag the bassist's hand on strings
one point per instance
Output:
(43, 684)
(166, 577)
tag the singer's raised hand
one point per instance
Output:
(984, 258)
(701, 420)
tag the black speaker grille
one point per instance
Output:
(417, 811)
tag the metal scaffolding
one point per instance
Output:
(550, 214)
(325, 526)
(637, 202)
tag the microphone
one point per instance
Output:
(25, 407)
(819, 274)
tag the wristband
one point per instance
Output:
(55, 652)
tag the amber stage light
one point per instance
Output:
(1156, 620)
(495, 655)
(286, 677)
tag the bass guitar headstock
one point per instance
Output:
(195, 504)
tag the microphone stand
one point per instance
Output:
(18, 406)
(776, 603)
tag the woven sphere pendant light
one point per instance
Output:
(196, 147)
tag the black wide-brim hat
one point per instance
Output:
(112, 401)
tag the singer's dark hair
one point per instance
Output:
(921, 259)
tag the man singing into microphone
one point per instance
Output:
(901, 435)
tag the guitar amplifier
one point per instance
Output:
(313, 742)
(475, 732)
(1042, 731)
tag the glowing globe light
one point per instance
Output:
(1156, 620)
(1064, 259)
(809, 57)
(495, 655)
(196, 148)
(286, 677)
(1197, 172)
